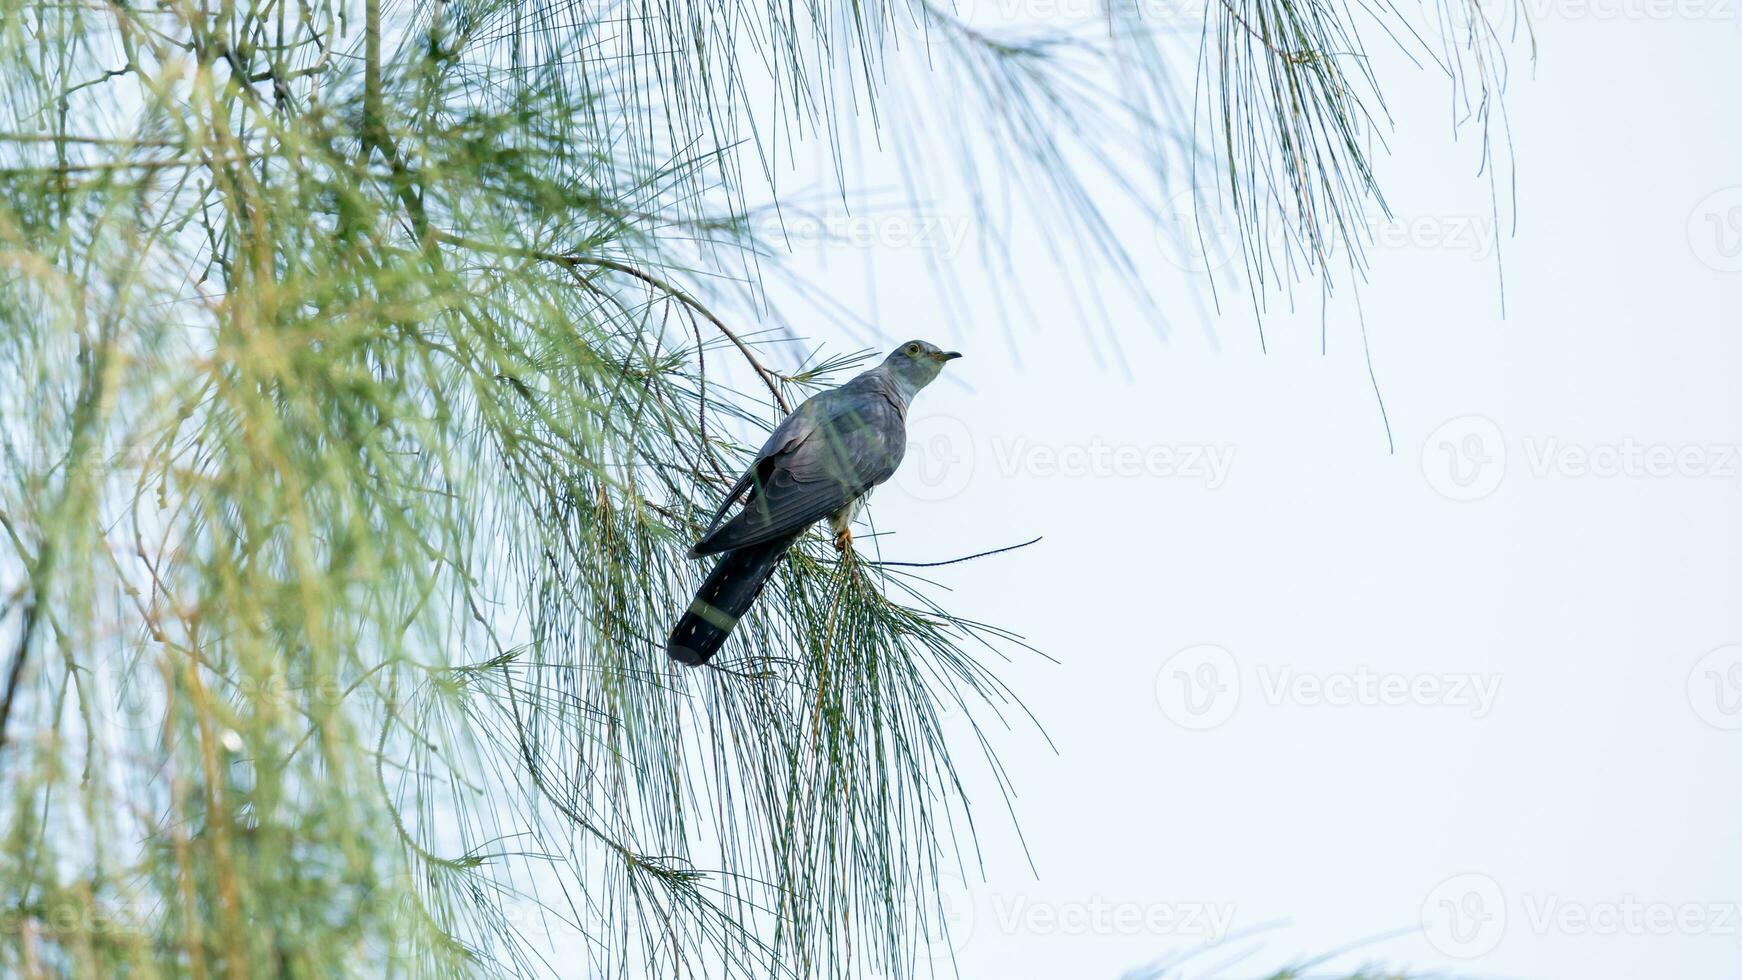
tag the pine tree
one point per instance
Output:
(365, 372)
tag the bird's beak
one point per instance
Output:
(947, 355)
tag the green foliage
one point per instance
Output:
(360, 391)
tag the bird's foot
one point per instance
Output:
(844, 542)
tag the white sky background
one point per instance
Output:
(1598, 774)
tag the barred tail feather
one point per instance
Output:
(725, 597)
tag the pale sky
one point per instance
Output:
(1483, 695)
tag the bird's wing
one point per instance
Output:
(788, 433)
(838, 445)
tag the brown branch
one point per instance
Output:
(89, 140)
(702, 399)
(374, 125)
(570, 260)
(111, 166)
(16, 674)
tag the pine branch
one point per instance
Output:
(573, 260)
(952, 561)
(27, 629)
(324, 494)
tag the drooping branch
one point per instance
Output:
(16, 674)
(954, 561)
(572, 260)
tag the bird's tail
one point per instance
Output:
(727, 594)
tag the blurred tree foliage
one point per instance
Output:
(365, 370)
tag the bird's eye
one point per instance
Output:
(913, 348)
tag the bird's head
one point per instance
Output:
(916, 363)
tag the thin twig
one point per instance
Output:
(88, 140)
(952, 561)
(707, 452)
(570, 260)
(768, 376)
(17, 672)
(110, 166)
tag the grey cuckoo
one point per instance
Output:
(821, 462)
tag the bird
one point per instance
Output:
(822, 461)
